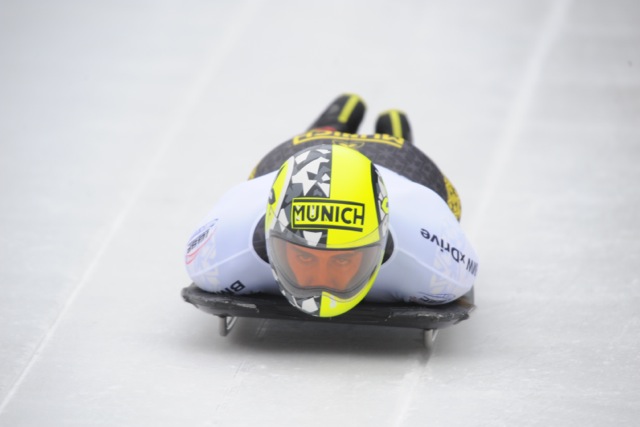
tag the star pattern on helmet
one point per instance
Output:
(314, 173)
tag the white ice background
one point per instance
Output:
(122, 122)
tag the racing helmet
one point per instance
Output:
(326, 228)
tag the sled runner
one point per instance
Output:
(428, 318)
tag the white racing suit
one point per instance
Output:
(428, 258)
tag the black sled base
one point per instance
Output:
(229, 307)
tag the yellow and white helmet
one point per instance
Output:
(326, 228)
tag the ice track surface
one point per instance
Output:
(122, 122)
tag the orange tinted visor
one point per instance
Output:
(337, 271)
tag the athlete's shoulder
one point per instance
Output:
(221, 252)
(403, 183)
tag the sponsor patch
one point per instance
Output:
(457, 255)
(319, 213)
(348, 139)
(199, 239)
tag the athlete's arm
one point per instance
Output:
(432, 261)
(220, 256)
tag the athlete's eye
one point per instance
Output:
(343, 260)
(304, 258)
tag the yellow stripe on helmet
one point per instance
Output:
(332, 305)
(359, 191)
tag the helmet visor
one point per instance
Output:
(305, 270)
